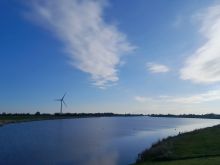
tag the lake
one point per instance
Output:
(88, 141)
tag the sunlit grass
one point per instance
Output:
(197, 147)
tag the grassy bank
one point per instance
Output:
(199, 147)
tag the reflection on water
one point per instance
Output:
(89, 141)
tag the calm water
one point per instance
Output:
(88, 141)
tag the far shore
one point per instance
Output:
(7, 118)
(5, 122)
(18, 118)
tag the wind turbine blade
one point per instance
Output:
(64, 103)
(63, 96)
(57, 99)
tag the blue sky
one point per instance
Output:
(155, 56)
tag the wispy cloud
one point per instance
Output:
(94, 46)
(178, 21)
(211, 95)
(203, 66)
(157, 68)
(142, 99)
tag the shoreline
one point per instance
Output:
(185, 148)
(3, 123)
(31, 118)
(20, 118)
(5, 120)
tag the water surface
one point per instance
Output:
(88, 141)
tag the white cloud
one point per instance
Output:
(157, 68)
(211, 95)
(94, 46)
(142, 99)
(199, 98)
(204, 65)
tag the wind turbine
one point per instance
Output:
(61, 103)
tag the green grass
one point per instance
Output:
(197, 147)
(196, 161)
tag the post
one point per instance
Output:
(61, 106)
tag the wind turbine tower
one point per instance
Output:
(61, 103)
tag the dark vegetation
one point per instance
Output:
(204, 116)
(23, 117)
(18, 115)
(195, 148)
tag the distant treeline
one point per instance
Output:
(205, 116)
(107, 114)
(69, 114)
